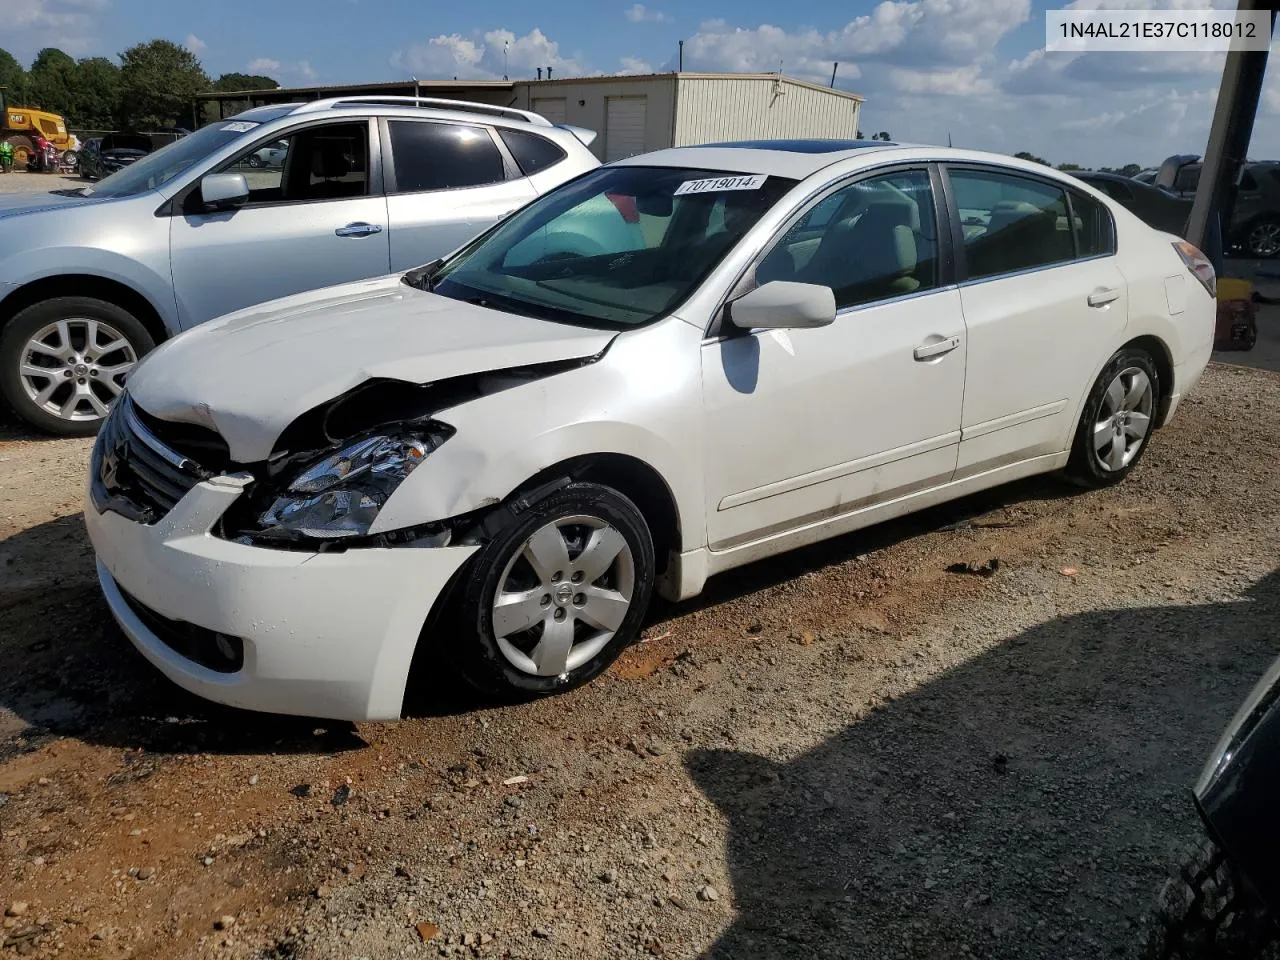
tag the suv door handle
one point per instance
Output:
(358, 230)
(1101, 297)
(927, 351)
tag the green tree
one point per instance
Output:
(1068, 167)
(882, 135)
(13, 78)
(158, 80)
(96, 97)
(230, 82)
(51, 81)
(1023, 155)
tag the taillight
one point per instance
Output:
(1199, 265)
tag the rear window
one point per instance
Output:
(532, 152)
(443, 156)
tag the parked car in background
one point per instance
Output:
(1155, 207)
(1147, 176)
(112, 153)
(269, 156)
(92, 279)
(1255, 221)
(667, 368)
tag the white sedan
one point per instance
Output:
(667, 368)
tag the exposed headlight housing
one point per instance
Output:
(339, 497)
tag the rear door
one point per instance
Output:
(446, 182)
(1044, 302)
(318, 219)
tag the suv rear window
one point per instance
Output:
(532, 152)
(443, 156)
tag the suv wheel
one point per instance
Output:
(1263, 239)
(554, 599)
(64, 361)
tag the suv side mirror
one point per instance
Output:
(224, 191)
(784, 304)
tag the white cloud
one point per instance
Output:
(194, 43)
(70, 25)
(287, 72)
(263, 65)
(634, 65)
(482, 58)
(639, 13)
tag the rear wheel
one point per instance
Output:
(1263, 239)
(1117, 420)
(554, 599)
(23, 149)
(1206, 913)
(64, 361)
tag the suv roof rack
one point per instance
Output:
(461, 106)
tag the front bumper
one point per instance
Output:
(324, 634)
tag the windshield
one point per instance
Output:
(155, 170)
(618, 247)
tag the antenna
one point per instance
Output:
(948, 138)
(504, 60)
(680, 60)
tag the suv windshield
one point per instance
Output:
(618, 247)
(155, 170)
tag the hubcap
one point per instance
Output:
(75, 368)
(563, 596)
(1124, 419)
(1264, 239)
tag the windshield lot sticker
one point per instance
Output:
(718, 184)
(239, 126)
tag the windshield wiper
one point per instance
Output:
(422, 277)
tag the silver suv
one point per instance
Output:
(93, 278)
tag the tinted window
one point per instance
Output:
(872, 240)
(1187, 178)
(316, 163)
(1010, 223)
(443, 156)
(532, 152)
(1247, 182)
(1095, 236)
(1116, 191)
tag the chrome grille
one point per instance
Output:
(134, 472)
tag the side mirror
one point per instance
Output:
(224, 191)
(783, 304)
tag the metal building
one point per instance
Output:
(631, 114)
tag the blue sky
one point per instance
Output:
(972, 69)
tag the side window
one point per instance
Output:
(872, 240)
(1095, 231)
(316, 163)
(532, 152)
(443, 156)
(1010, 223)
(1187, 178)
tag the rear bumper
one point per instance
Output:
(329, 635)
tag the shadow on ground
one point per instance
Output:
(1026, 804)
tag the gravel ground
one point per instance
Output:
(844, 752)
(23, 182)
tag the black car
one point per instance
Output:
(115, 151)
(1154, 206)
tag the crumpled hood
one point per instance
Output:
(250, 374)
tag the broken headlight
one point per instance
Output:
(340, 496)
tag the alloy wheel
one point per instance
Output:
(1124, 419)
(563, 595)
(75, 368)
(1264, 240)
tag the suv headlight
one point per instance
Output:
(340, 496)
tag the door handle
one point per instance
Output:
(358, 230)
(927, 351)
(1101, 297)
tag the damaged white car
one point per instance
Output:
(667, 368)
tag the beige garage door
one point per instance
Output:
(550, 107)
(624, 127)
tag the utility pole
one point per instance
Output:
(834, 68)
(680, 59)
(504, 60)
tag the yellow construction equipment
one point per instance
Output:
(19, 127)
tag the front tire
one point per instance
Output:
(1263, 239)
(1206, 913)
(64, 361)
(1118, 418)
(552, 600)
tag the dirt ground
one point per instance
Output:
(846, 752)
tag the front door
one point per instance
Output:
(805, 425)
(1044, 300)
(313, 221)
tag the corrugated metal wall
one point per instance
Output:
(585, 104)
(710, 110)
